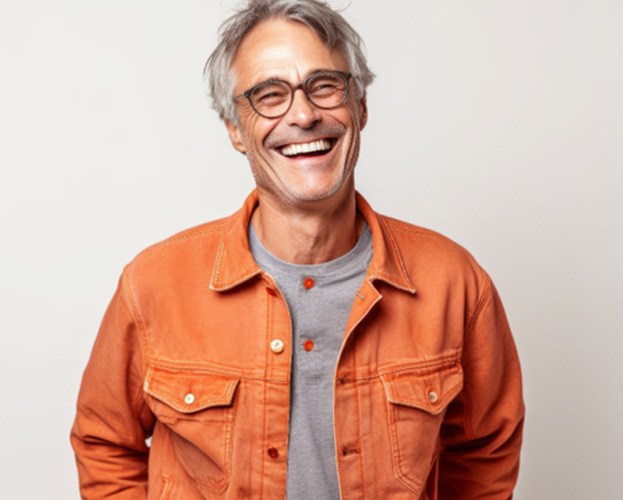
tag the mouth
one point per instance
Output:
(308, 149)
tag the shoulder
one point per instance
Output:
(428, 255)
(188, 248)
(422, 243)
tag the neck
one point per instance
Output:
(304, 236)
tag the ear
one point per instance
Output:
(235, 136)
(363, 112)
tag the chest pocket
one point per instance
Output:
(417, 401)
(198, 412)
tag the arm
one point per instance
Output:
(112, 422)
(482, 432)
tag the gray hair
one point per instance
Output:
(329, 24)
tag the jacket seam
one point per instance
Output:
(211, 370)
(424, 366)
(218, 262)
(407, 228)
(214, 227)
(396, 249)
(189, 234)
(202, 404)
(265, 398)
(128, 296)
(216, 275)
(173, 365)
(485, 295)
(137, 317)
(359, 454)
(230, 284)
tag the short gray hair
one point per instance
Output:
(329, 24)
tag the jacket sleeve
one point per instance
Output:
(482, 432)
(112, 421)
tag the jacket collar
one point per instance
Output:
(235, 265)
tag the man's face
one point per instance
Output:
(289, 51)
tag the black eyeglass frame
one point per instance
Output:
(303, 86)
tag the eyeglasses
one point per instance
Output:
(273, 98)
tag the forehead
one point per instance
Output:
(279, 48)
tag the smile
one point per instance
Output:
(319, 146)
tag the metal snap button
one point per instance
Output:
(433, 397)
(189, 398)
(277, 346)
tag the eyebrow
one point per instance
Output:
(307, 75)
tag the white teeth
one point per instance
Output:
(308, 147)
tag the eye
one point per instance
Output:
(325, 85)
(270, 94)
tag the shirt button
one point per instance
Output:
(277, 346)
(308, 283)
(308, 345)
(189, 398)
(433, 397)
(273, 453)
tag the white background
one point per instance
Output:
(497, 123)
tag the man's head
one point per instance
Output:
(302, 146)
(328, 24)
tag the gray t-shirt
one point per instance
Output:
(319, 298)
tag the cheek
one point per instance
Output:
(250, 128)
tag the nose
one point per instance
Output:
(302, 112)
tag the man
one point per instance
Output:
(305, 346)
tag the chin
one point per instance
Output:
(318, 193)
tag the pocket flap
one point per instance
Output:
(189, 391)
(430, 391)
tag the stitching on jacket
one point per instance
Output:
(358, 417)
(396, 250)
(128, 298)
(485, 296)
(198, 406)
(264, 393)
(427, 366)
(405, 227)
(218, 262)
(213, 369)
(195, 232)
(185, 366)
(243, 277)
(138, 319)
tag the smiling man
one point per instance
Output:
(305, 346)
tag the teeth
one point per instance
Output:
(308, 147)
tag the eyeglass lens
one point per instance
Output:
(325, 90)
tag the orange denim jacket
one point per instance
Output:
(427, 391)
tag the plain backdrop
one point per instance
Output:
(496, 122)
